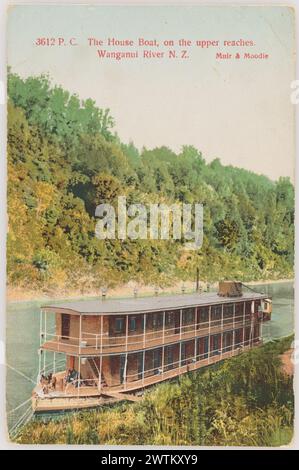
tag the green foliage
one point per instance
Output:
(63, 161)
(57, 112)
(246, 400)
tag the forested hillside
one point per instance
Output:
(64, 158)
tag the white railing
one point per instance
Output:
(163, 336)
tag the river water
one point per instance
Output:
(22, 341)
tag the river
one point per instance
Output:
(22, 341)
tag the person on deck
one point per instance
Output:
(53, 383)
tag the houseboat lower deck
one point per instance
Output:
(88, 396)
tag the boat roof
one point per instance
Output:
(147, 304)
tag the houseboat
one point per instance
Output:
(97, 351)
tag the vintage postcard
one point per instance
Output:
(150, 243)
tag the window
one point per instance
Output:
(216, 311)
(169, 357)
(140, 365)
(256, 333)
(183, 354)
(228, 313)
(188, 316)
(239, 313)
(238, 338)
(203, 347)
(247, 334)
(228, 310)
(156, 360)
(248, 308)
(119, 325)
(169, 318)
(122, 363)
(187, 350)
(65, 326)
(204, 315)
(132, 323)
(157, 320)
(215, 342)
(239, 308)
(227, 341)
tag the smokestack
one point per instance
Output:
(197, 279)
(230, 289)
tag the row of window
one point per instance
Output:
(172, 318)
(208, 345)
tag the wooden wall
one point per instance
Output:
(90, 324)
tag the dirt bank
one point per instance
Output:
(287, 362)
(15, 294)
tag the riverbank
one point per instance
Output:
(18, 294)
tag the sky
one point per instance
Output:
(236, 110)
